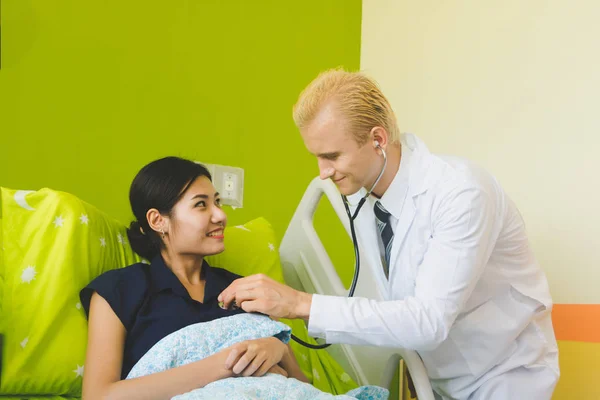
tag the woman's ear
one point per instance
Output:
(157, 221)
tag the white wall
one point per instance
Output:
(515, 86)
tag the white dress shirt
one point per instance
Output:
(465, 290)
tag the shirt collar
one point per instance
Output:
(163, 278)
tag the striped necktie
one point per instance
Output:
(385, 231)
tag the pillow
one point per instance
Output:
(54, 244)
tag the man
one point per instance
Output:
(463, 286)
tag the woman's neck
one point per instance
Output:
(187, 268)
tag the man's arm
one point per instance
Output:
(463, 237)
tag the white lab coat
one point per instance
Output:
(465, 290)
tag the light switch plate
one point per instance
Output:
(229, 182)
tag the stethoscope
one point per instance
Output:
(351, 218)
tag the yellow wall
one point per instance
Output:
(515, 86)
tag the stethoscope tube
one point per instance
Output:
(351, 219)
(356, 268)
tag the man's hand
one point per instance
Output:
(259, 293)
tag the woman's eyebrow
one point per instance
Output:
(203, 196)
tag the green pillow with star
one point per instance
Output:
(53, 245)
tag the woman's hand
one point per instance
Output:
(255, 357)
(276, 369)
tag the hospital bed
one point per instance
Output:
(308, 267)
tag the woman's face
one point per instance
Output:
(197, 222)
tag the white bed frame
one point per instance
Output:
(307, 267)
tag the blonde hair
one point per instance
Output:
(355, 96)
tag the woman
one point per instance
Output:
(179, 222)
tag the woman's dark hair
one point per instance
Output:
(159, 185)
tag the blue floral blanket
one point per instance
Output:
(198, 341)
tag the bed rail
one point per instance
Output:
(308, 267)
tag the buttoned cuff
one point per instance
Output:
(320, 314)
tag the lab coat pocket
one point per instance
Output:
(473, 345)
(481, 337)
(486, 336)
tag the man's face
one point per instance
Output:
(349, 165)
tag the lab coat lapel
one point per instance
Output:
(417, 184)
(404, 223)
(366, 230)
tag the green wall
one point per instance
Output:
(92, 91)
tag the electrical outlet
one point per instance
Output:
(229, 182)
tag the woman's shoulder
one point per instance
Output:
(137, 272)
(122, 288)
